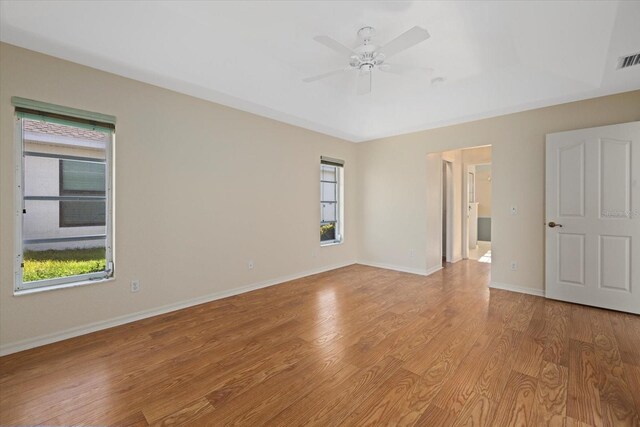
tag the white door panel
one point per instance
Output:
(593, 194)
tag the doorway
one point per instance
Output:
(479, 197)
(447, 209)
(447, 212)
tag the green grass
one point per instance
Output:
(39, 265)
(327, 232)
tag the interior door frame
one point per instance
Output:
(446, 199)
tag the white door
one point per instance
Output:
(593, 217)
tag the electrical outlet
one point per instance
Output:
(135, 286)
(250, 264)
(514, 265)
(514, 210)
(412, 253)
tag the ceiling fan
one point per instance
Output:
(369, 57)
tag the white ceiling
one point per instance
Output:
(497, 57)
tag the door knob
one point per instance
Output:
(553, 224)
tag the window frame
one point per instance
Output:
(21, 287)
(339, 222)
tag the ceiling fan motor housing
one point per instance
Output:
(367, 56)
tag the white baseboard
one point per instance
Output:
(403, 269)
(520, 289)
(128, 318)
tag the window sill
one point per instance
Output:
(322, 245)
(22, 292)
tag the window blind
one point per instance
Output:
(36, 110)
(331, 161)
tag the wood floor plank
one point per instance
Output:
(551, 395)
(478, 411)
(556, 347)
(355, 346)
(583, 399)
(269, 398)
(135, 420)
(580, 324)
(515, 409)
(435, 416)
(194, 414)
(350, 393)
(633, 375)
(305, 408)
(379, 405)
(172, 394)
(449, 346)
(529, 359)
(627, 336)
(412, 406)
(618, 406)
(457, 390)
(571, 422)
(493, 378)
(524, 313)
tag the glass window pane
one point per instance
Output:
(327, 232)
(41, 176)
(44, 219)
(81, 177)
(63, 259)
(328, 212)
(82, 213)
(50, 251)
(328, 173)
(328, 192)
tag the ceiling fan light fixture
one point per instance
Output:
(368, 56)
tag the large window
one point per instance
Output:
(331, 196)
(64, 196)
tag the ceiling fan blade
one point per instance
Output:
(404, 41)
(402, 69)
(323, 75)
(334, 45)
(364, 82)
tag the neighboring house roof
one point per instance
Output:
(61, 130)
(40, 132)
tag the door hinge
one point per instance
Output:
(24, 211)
(22, 265)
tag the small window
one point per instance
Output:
(64, 199)
(331, 197)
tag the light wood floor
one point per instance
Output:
(354, 346)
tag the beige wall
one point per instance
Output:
(395, 220)
(195, 196)
(200, 190)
